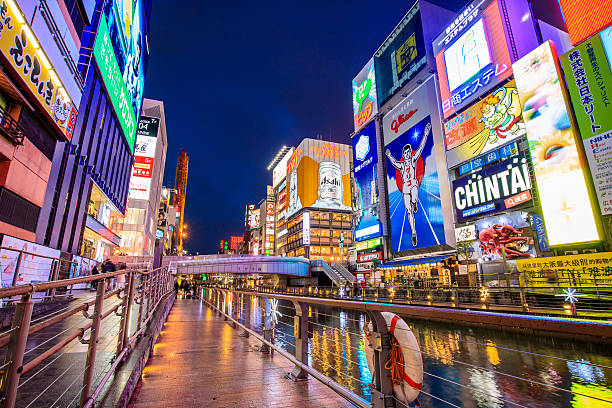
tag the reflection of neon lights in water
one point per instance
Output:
(586, 373)
(598, 391)
(364, 371)
(485, 381)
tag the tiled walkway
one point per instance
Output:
(200, 361)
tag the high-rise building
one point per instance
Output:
(89, 179)
(178, 200)
(139, 227)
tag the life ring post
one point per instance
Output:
(382, 389)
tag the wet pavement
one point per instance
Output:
(200, 361)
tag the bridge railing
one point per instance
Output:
(585, 301)
(115, 317)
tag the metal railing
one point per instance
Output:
(146, 289)
(11, 128)
(585, 302)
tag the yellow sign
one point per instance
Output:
(22, 50)
(566, 271)
(406, 53)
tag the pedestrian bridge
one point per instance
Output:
(238, 264)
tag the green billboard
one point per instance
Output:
(111, 75)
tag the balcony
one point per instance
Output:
(10, 128)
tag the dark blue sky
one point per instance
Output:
(240, 79)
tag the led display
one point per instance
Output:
(365, 103)
(585, 18)
(560, 177)
(144, 158)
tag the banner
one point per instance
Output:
(563, 194)
(484, 126)
(567, 271)
(589, 79)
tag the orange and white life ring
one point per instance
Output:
(406, 362)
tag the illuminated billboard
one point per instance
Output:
(365, 103)
(365, 160)
(588, 77)
(121, 54)
(144, 158)
(254, 218)
(401, 56)
(234, 241)
(319, 176)
(484, 126)
(560, 177)
(280, 170)
(471, 55)
(24, 53)
(585, 18)
(495, 188)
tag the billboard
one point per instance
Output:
(365, 103)
(254, 218)
(365, 160)
(560, 177)
(32, 268)
(588, 75)
(509, 233)
(401, 56)
(234, 241)
(495, 188)
(24, 53)
(121, 54)
(144, 157)
(584, 19)
(484, 126)
(471, 55)
(569, 270)
(319, 176)
(414, 192)
(280, 170)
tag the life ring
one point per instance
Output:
(405, 363)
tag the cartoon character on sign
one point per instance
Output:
(497, 117)
(498, 238)
(411, 168)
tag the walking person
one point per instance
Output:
(94, 271)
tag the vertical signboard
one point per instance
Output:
(412, 176)
(365, 160)
(280, 170)
(365, 103)
(144, 157)
(589, 79)
(560, 177)
(306, 228)
(401, 56)
(318, 176)
(471, 55)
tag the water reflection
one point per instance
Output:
(468, 367)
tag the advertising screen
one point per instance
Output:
(493, 189)
(144, 157)
(23, 52)
(121, 53)
(560, 177)
(319, 176)
(589, 78)
(484, 126)
(585, 18)
(414, 192)
(401, 56)
(279, 172)
(234, 241)
(365, 159)
(254, 218)
(509, 233)
(471, 56)
(365, 103)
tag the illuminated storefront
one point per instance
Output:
(99, 240)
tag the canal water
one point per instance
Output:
(464, 366)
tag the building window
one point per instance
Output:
(18, 211)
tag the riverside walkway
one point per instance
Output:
(200, 361)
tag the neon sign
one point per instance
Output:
(365, 103)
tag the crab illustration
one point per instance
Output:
(497, 237)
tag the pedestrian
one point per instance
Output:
(94, 271)
(109, 266)
(176, 288)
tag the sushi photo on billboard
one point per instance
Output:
(414, 191)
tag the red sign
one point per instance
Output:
(294, 160)
(234, 241)
(585, 18)
(270, 208)
(518, 199)
(143, 166)
(374, 256)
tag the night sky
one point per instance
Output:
(240, 79)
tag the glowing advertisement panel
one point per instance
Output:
(319, 176)
(22, 51)
(365, 159)
(471, 56)
(566, 271)
(585, 18)
(144, 158)
(589, 81)
(279, 172)
(401, 56)
(414, 193)
(365, 103)
(560, 178)
(484, 126)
